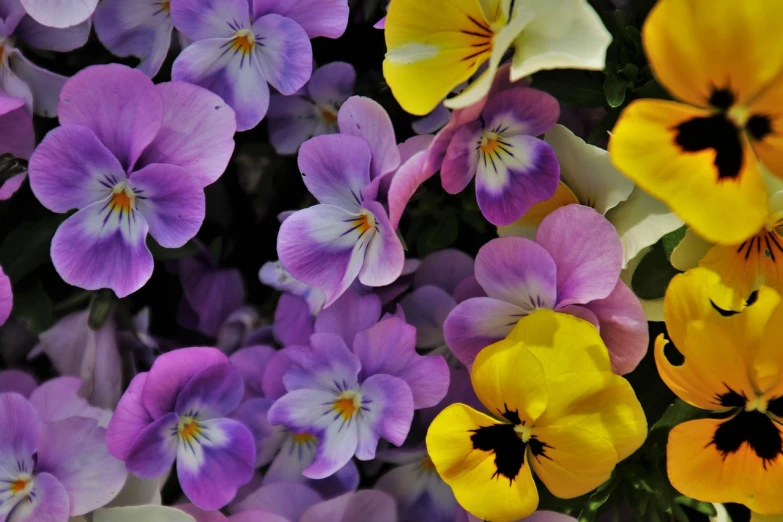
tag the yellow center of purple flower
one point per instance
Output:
(490, 142)
(329, 116)
(364, 223)
(165, 5)
(244, 41)
(188, 428)
(122, 199)
(347, 405)
(303, 438)
(19, 485)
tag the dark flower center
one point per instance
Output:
(753, 428)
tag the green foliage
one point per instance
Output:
(163, 254)
(653, 274)
(26, 247)
(33, 306)
(671, 240)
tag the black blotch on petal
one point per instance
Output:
(538, 448)
(721, 311)
(775, 407)
(752, 298)
(732, 399)
(759, 126)
(511, 416)
(722, 98)
(753, 428)
(715, 132)
(673, 355)
(503, 441)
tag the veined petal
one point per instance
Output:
(367, 119)
(16, 134)
(129, 419)
(326, 364)
(521, 110)
(327, 18)
(349, 315)
(154, 450)
(384, 258)
(213, 392)
(527, 225)
(386, 411)
(19, 441)
(59, 13)
(48, 500)
(335, 169)
(284, 53)
(462, 158)
(204, 19)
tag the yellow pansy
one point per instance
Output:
(733, 367)
(555, 408)
(433, 46)
(724, 60)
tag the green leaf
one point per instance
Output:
(630, 72)
(614, 89)
(475, 220)
(33, 306)
(597, 500)
(675, 414)
(444, 233)
(101, 307)
(27, 247)
(652, 89)
(189, 249)
(653, 274)
(671, 240)
(705, 508)
(575, 87)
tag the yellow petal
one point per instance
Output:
(527, 225)
(473, 474)
(724, 205)
(768, 361)
(509, 380)
(574, 461)
(695, 46)
(697, 469)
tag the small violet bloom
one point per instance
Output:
(347, 235)
(238, 50)
(572, 267)
(60, 13)
(134, 158)
(16, 138)
(313, 110)
(178, 411)
(52, 469)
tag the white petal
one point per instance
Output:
(141, 514)
(689, 252)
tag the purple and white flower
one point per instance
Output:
(134, 158)
(572, 267)
(178, 411)
(313, 110)
(60, 13)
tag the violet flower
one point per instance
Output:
(313, 110)
(573, 267)
(21, 78)
(274, 275)
(348, 234)
(235, 52)
(6, 297)
(141, 29)
(52, 470)
(16, 138)
(178, 411)
(60, 14)
(17, 381)
(134, 158)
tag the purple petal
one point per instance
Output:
(197, 132)
(286, 500)
(201, 515)
(327, 18)
(12, 184)
(72, 169)
(433, 121)
(231, 75)
(534, 112)
(59, 13)
(286, 57)
(171, 372)
(390, 404)
(58, 399)
(461, 158)
(13, 86)
(250, 362)
(74, 451)
(477, 323)
(212, 293)
(48, 500)
(16, 130)
(119, 104)
(327, 364)
(460, 390)
(129, 419)
(202, 19)
(17, 381)
(444, 269)
(322, 246)
(404, 184)
(273, 274)
(426, 308)
(468, 288)
(293, 322)
(335, 169)
(586, 250)
(93, 249)
(6, 297)
(292, 121)
(268, 439)
(272, 381)
(38, 36)
(582, 312)
(154, 450)
(211, 479)
(19, 437)
(140, 29)
(623, 327)
(517, 271)
(11, 12)
(385, 256)
(332, 84)
(349, 315)
(354, 507)
(367, 119)
(213, 392)
(44, 86)
(65, 343)
(419, 492)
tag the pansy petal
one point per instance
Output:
(197, 132)
(16, 131)
(523, 111)
(119, 104)
(213, 392)
(293, 321)
(44, 86)
(335, 169)
(355, 507)
(100, 247)
(59, 399)
(250, 362)
(17, 381)
(327, 18)
(405, 183)
(211, 470)
(59, 13)
(325, 364)
(426, 308)
(276, 368)
(462, 158)
(129, 419)
(367, 119)
(154, 450)
(445, 269)
(292, 121)
(283, 499)
(333, 83)
(349, 315)
(588, 265)
(385, 257)
(48, 501)
(285, 57)
(205, 19)
(19, 441)
(43, 37)
(387, 412)
(6, 297)
(15, 87)
(268, 439)
(477, 323)
(689, 251)
(12, 184)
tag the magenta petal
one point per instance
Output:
(17, 381)
(390, 403)
(11, 185)
(518, 271)
(286, 56)
(74, 451)
(404, 184)
(129, 419)
(478, 322)
(49, 501)
(426, 308)
(327, 18)
(623, 327)
(250, 362)
(293, 321)
(213, 392)
(202, 19)
(444, 269)
(335, 169)
(16, 129)
(349, 315)
(154, 450)
(461, 159)
(93, 249)
(71, 168)
(535, 112)
(197, 132)
(119, 104)
(172, 203)
(201, 515)
(367, 119)
(586, 250)
(283, 499)
(332, 84)
(6, 297)
(57, 13)
(212, 480)
(171, 372)
(582, 312)
(385, 256)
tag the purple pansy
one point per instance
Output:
(17, 381)
(273, 274)
(16, 138)
(51, 470)
(178, 411)
(347, 235)
(60, 13)
(237, 52)
(134, 158)
(313, 110)
(141, 29)
(572, 267)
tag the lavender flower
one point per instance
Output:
(56, 13)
